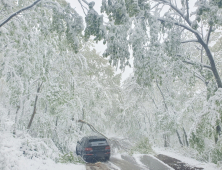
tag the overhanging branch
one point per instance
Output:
(203, 65)
(208, 35)
(179, 24)
(92, 127)
(176, 9)
(82, 6)
(85, 2)
(187, 4)
(16, 13)
(187, 41)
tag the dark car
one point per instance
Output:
(92, 148)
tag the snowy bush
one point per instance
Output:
(143, 147)
(39, 148)
(217, 152)
(205, 137)
(70, 158)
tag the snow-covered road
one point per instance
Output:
(125, 162)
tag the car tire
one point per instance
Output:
(106, 158)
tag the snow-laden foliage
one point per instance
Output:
(50, 78)
(205, 136)
(45, 86)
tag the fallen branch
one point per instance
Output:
(114, 142)
(92, 127)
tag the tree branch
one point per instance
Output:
(187, 4)
(179, 24)
(203, 65)
(16, 13)
(177, 10)
(82, 7)
(197, 76)
(92, 127)
(155, 5)
(208, 35)
(85, 2)
(162, 95)
(187, 41)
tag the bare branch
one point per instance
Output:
(203, 65)
(92, 127)
(208, 35)
(177, 10)
(187, 4)
(197, 76)
(155, 5)
(162, 95)
(16, 13)
(187, 41)
(85, 2)
(82, 6)
(179, 24)
(197, 47)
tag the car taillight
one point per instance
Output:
(107, 148)
(88, 149)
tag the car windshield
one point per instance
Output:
(97, 142)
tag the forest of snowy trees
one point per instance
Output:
(51, 76)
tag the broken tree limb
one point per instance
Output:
(115, 143)
(92, 127)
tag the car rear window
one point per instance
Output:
(97, 142)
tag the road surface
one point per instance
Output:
(124, 162)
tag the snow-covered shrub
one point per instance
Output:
(143, 147)
(39, 148)
(69, 158)
(205, 135)
(217, 152)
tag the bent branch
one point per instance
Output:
(92, 127)
(16, 13)
(187, 41)
(204, 45)
(203, 65)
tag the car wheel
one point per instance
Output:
(107, 158)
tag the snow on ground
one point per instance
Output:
(138, 160)
(12, 155)
(117, 156)
(190, 161)
(137, 157)
(48, 165)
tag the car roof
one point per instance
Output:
(95, 137)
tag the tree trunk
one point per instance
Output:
(211, 59)
(178, 135)
(185, 134)
(16, 118)
(218, 131)
(34, 110)
(166, 140)
(83, 117)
